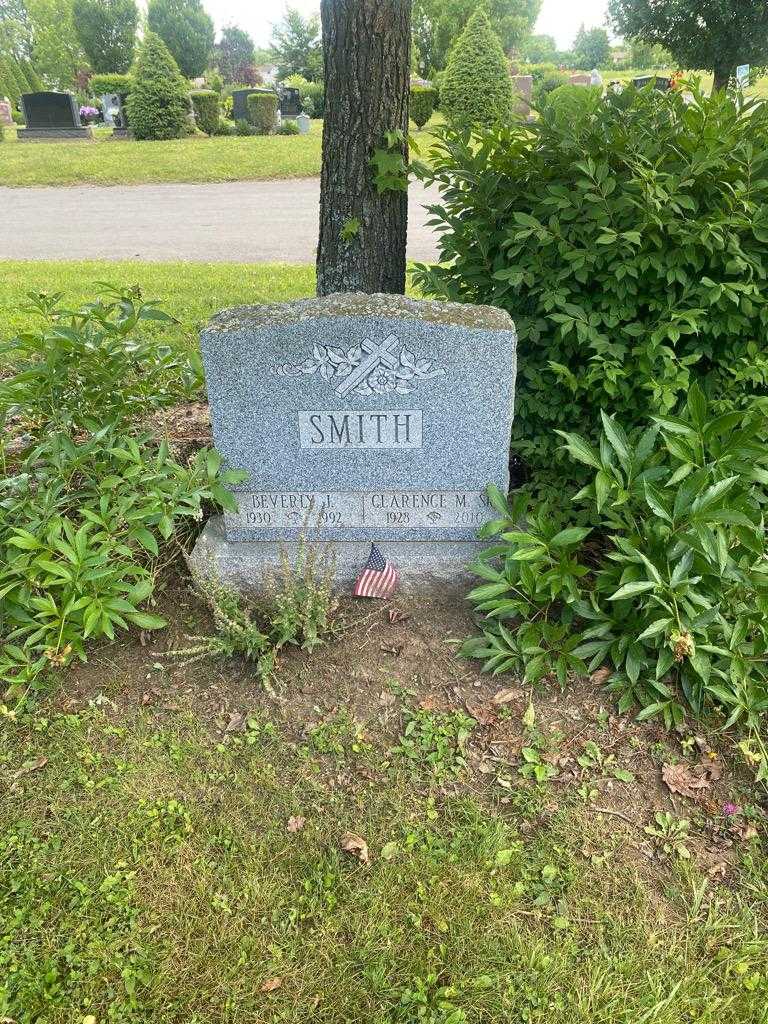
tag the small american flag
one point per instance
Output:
(379, 578)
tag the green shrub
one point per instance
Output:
(2, 133)
(631, 248)
(262, 112)
(242, 127)
(288, 128)
(87, 495)
(669, 592)
(546, 78)
(18, 117)
(422, 104)
(206, 106)
(101, 85)
(11, 87)
(35, 83)
(568, 103)
(224, 127)
(476, 89)
(158, 105)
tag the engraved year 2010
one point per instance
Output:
(470, 518)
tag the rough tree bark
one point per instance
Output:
(367, 55)
(722, 77)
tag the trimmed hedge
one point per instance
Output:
(476, 90)
(158, 106)
(423, 99)
(262, 111)
(101, 85)
(573, 101)
(206, 105)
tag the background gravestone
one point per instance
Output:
(6, 113)
(51, 117)
(361, 419)
(240, 103)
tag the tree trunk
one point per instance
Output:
(723, 74)
(366, 50)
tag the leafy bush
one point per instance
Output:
(224, 127)
(670, 591)
(546, 78)
(87, 495)
(569, 103)
(476, 88)
(18, 117)
(206, 106)
(10, 84)
(158, 105)
(422, 104)
(2, 133)
(288, 128)
(242, 127)
(101, 85)
(630, 247)
(262, 111)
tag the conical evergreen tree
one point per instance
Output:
(477, 88)
(158, 106)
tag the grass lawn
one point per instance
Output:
(171, 848)
(368, 843)
(106, 162)
(190, 291)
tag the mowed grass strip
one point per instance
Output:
(195, 160)
(108, 162)
(191, 292)
(148, 873)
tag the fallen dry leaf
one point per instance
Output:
(710, 759)
(482, 714)
(746, 831)
(295, 823)
(505, 696)
(271, 984)
(680, 779)
(236, 722)
(356, 845)
(432, 702)
(395, 615)
(601, 675)
(30, 766)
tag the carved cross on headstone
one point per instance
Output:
(377, 355)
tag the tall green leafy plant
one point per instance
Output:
(670, 588)
(629, 242)
(87, 496)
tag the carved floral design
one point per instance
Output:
(365, 369)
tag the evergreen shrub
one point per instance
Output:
(158, 105)
(422, 104)
(476, 89)
(262, 112)
(206, 105)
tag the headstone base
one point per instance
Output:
(248, 565)
(82, 134)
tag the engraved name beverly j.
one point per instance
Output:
(367, 369)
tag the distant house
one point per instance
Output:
(268, 73)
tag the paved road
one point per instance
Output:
(244, 221)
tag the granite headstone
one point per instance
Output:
(358, 419)
(6, 113)
(52, 117)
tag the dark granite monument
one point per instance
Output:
(240, 103)
(290, 102)
(360, 419)
(52, 117)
